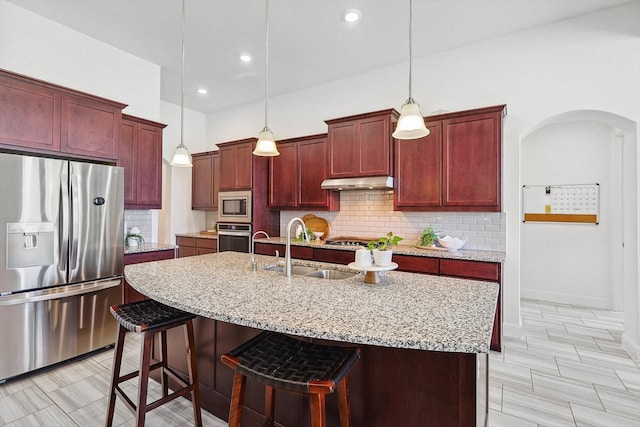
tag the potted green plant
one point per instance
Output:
(381, 249)
(428, 237)
(134, 238)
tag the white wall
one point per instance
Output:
(176, 215)
(591, 62)
(43, 49)
(564, 262)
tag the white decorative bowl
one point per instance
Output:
(451, 243)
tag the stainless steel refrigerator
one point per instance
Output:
(61, 259)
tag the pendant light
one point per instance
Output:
(181, 156)
(410, 123)
(266, 145)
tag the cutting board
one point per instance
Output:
(318, 224)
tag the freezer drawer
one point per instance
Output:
(49, 326)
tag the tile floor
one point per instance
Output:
(568, 369)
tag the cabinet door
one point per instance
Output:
(127, 159)
(216, 179)
(374, 145)
(149, 166)
(312, 170)
(283, 177)
(236, 167)
(227, 168)
(29, 115)
(472, 162)
(244, 162)
(418, 170)
(89, 128)
(202, 182)
(343, 152)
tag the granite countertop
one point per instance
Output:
(198, 235)
(410, 311)
(147, 247)
(471, 255)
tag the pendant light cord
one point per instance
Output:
(266, 64)
(182, 84)
(410, 47)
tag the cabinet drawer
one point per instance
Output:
(207, 243)
(203, 251)
(137, 258)
(186, 241)
(335, 256)
(470, 269)
(416, 264)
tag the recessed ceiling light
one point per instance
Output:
(352, 15)
(246, 58)
(202, 91)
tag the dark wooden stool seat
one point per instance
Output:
(150, 317)
(281, 362)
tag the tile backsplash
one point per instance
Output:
(141, 219)
(369, 213)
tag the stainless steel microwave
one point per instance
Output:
(234, 206)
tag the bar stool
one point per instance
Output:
(150, 317)
(300, 367)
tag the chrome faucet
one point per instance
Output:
(287, 253)
(254, 266)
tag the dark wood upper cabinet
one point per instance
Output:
(29, 114)
(361, 145)
(418, 171)
(236, 164)
(457, 167)
(206, 181)
(141, 158)
(90, 128)
(295, 176)
(42, 117)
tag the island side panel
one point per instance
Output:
(415, 388)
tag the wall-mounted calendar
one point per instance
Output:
(561, 203)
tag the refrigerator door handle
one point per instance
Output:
(63, 224)
(58, 293)
(74, 250)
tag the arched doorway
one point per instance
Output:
(577, 263)
(584, 264)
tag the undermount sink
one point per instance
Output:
(301, 270)
(297, 269)
(331, 274)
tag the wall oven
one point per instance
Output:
(234, 206)
(234, 237)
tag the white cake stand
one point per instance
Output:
(373, 274)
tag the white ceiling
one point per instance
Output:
(309, 43)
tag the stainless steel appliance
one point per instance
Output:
(348, 241)
(235, 206)
(234, 237)
(61, 259)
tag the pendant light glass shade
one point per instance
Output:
(411, 122)
(181, 156)
(266, 145)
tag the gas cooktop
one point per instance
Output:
(348, 241)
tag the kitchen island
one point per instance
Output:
(424, 339)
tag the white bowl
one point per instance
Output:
(451, 243)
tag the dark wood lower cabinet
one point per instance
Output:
(387, 386)
(130, 294)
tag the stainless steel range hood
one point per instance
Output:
(362, 183)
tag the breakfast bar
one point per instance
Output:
(424, 339)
